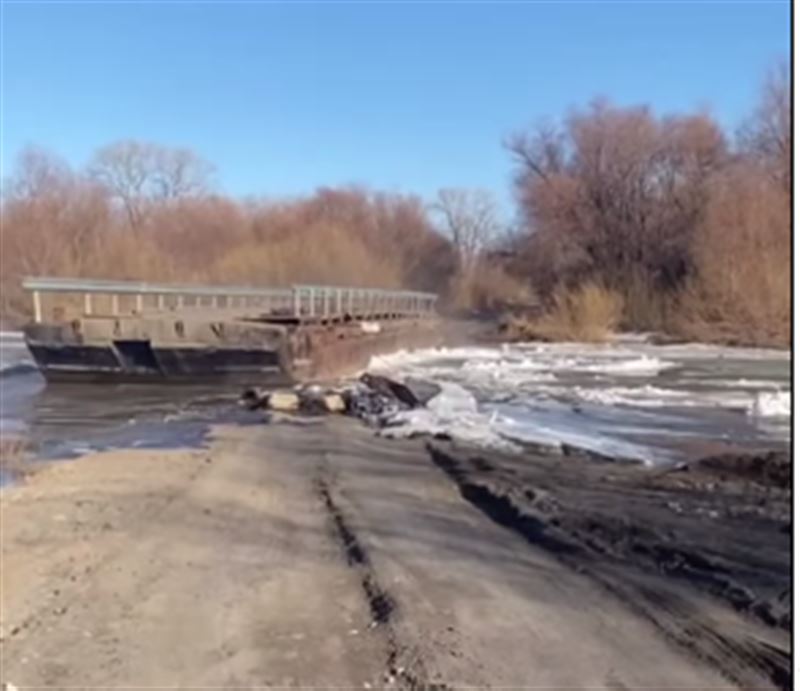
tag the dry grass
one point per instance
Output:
(589, 313)
(489, 288)
(14, 455)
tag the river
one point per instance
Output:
(626, 399)
(45, 422)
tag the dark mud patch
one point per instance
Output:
(671, 550)
(770, 469)
(497, 503)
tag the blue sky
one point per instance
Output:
(410, 97)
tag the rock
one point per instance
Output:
(374, 398)
(334, 403)
(253, 399)
(369, 405)
(312, 401)
(285, 401)
(391, 389)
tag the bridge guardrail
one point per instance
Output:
(302, 302)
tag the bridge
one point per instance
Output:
(299, 302)
(89, 329)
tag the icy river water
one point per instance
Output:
(625, 399)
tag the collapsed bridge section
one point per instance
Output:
(123, 330)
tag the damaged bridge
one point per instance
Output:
(122, 330)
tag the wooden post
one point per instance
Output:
(115, 304)
(87, 303)
(139, 303)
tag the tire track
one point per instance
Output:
(404, 666)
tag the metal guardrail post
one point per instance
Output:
(37, 306)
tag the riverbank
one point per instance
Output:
(311, 552)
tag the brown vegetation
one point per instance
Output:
(684, 230)
(153, 219)
(589, 313)
(694, 234)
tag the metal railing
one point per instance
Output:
(296, 302)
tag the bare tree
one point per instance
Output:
(615, 194)
(37, 172)
(53, 220)
(469, 218)
(141, 174)
(767, 135)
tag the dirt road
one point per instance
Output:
(317, 555)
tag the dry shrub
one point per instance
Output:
(742, 291)
(14, 455)
(59, 222)
(321, 253)
(614, 192)
(588, 313)
(489, 289)
(693, 232)
(127, 257)
(52, 223)
(645, 307)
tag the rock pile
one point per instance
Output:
(372, 398)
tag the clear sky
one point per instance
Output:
(285, 97)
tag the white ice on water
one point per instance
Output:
(772, 404)
(588, 395)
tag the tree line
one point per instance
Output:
(688, 228)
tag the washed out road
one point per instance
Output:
(311, 553)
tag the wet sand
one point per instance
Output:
(312, 553)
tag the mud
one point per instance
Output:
(318, 555)
(661, 542)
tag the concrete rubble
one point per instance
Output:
(372, 398)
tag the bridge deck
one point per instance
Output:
(295, 304)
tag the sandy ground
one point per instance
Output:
(318, 555)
